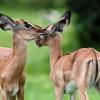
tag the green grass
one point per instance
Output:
(38, 85)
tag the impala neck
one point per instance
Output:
(55, 50)
(19, 55)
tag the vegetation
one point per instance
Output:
(88, 23)
(80, 33)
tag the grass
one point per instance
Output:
(38, 85)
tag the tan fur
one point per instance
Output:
(12, 61)
(79, 66)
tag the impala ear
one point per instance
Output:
(59, 26)
(6, 23)
(65, 19)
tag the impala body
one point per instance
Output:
(12, 61)
(74, 71)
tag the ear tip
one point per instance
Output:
(1, 15)
(69, 13)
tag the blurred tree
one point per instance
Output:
(88, 23)
(34, 3)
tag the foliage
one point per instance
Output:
(33, 3)
(88, 23)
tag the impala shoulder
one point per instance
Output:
(5, 52)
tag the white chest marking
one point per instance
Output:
(14, 91)
(71, 87)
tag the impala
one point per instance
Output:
(12, 61)
(75, 71)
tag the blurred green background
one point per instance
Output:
(83, 31)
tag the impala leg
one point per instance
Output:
(20, 94)
(73, 96)
(82, 94)
(4, 95)
(59, 93)
(82, 89)
(13, 98)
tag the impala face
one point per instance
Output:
(53, 30)
(21, 28)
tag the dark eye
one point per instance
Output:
(27, 25)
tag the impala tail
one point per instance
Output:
(97, 67)
(96, 71)
(95, 80)
(92, 72)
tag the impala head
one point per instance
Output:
(20, 28)
(54, 31)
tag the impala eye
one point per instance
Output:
(27, 25)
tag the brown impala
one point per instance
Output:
(75, 71)
(12, 61)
